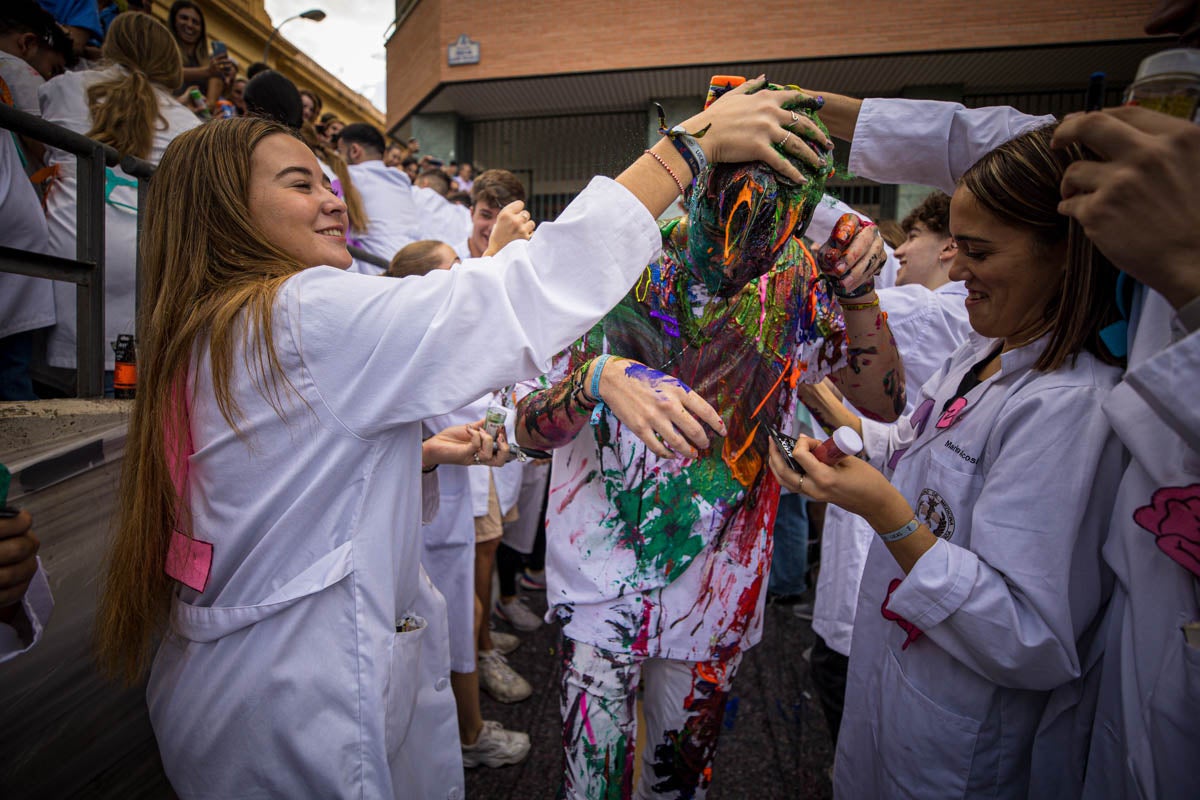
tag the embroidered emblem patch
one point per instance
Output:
(936, 514)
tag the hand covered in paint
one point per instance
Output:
(824, 401)
(661, 410)
(852, 257)
(1139, 202)
(467, 445)
(18, 561)
(851, 483)
(512, 223)
(746, 124)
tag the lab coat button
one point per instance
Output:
(441, 684)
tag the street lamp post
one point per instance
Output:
(315, 14)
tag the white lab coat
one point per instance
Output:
(942, 724)
(445, 221)
(448, 555)
(928, 326)
(25, 303)
(64, 102)
(393, 219)
(287, 677)
(1019, 490)
(1147, 731)
(37, 605)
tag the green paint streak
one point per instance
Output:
(666, 542)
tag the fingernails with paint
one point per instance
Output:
(841, 267)
(820, 100)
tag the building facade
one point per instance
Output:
(560, 90)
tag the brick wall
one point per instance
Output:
(540, 37)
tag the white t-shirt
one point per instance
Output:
(23, 82)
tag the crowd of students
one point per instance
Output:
(1009, 596)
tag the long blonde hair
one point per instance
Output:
(205, 264)
(125, 108)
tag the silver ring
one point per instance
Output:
(477, 461)
(785, 139)
(795, 119)
(800, 484)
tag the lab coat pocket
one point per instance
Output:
(951, 486)
(925, 750)
(209, 623)
(404, 679)
(1173, 723)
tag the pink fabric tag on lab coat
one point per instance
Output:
(189, 561)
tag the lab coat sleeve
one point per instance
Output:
(929, 142)
(37, 605)
(1013, 605)
(381, 352)
(1166, 381)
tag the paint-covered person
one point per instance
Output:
(661, 506)
(271, 500)
(977, 620)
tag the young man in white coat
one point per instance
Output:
(394, 219)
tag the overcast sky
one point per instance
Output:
(348, 43)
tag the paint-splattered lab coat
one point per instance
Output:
(287, 676)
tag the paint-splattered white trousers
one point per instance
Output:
(683, 703)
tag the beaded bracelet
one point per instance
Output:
(667, 167)
(908, 529)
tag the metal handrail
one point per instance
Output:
(86, 271)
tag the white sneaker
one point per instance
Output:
(500, 680)
(517, 614)
(504, 643)
(496, 747)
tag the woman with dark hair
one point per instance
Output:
(978, 611)
(210, 72)
(268, 546)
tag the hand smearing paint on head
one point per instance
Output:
(741, 215)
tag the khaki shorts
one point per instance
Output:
(491, 525)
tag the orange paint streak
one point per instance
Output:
(767, 396)
(744, 196)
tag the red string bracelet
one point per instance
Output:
(667, 167)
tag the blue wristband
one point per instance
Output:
(596, 372)
(900, 533)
